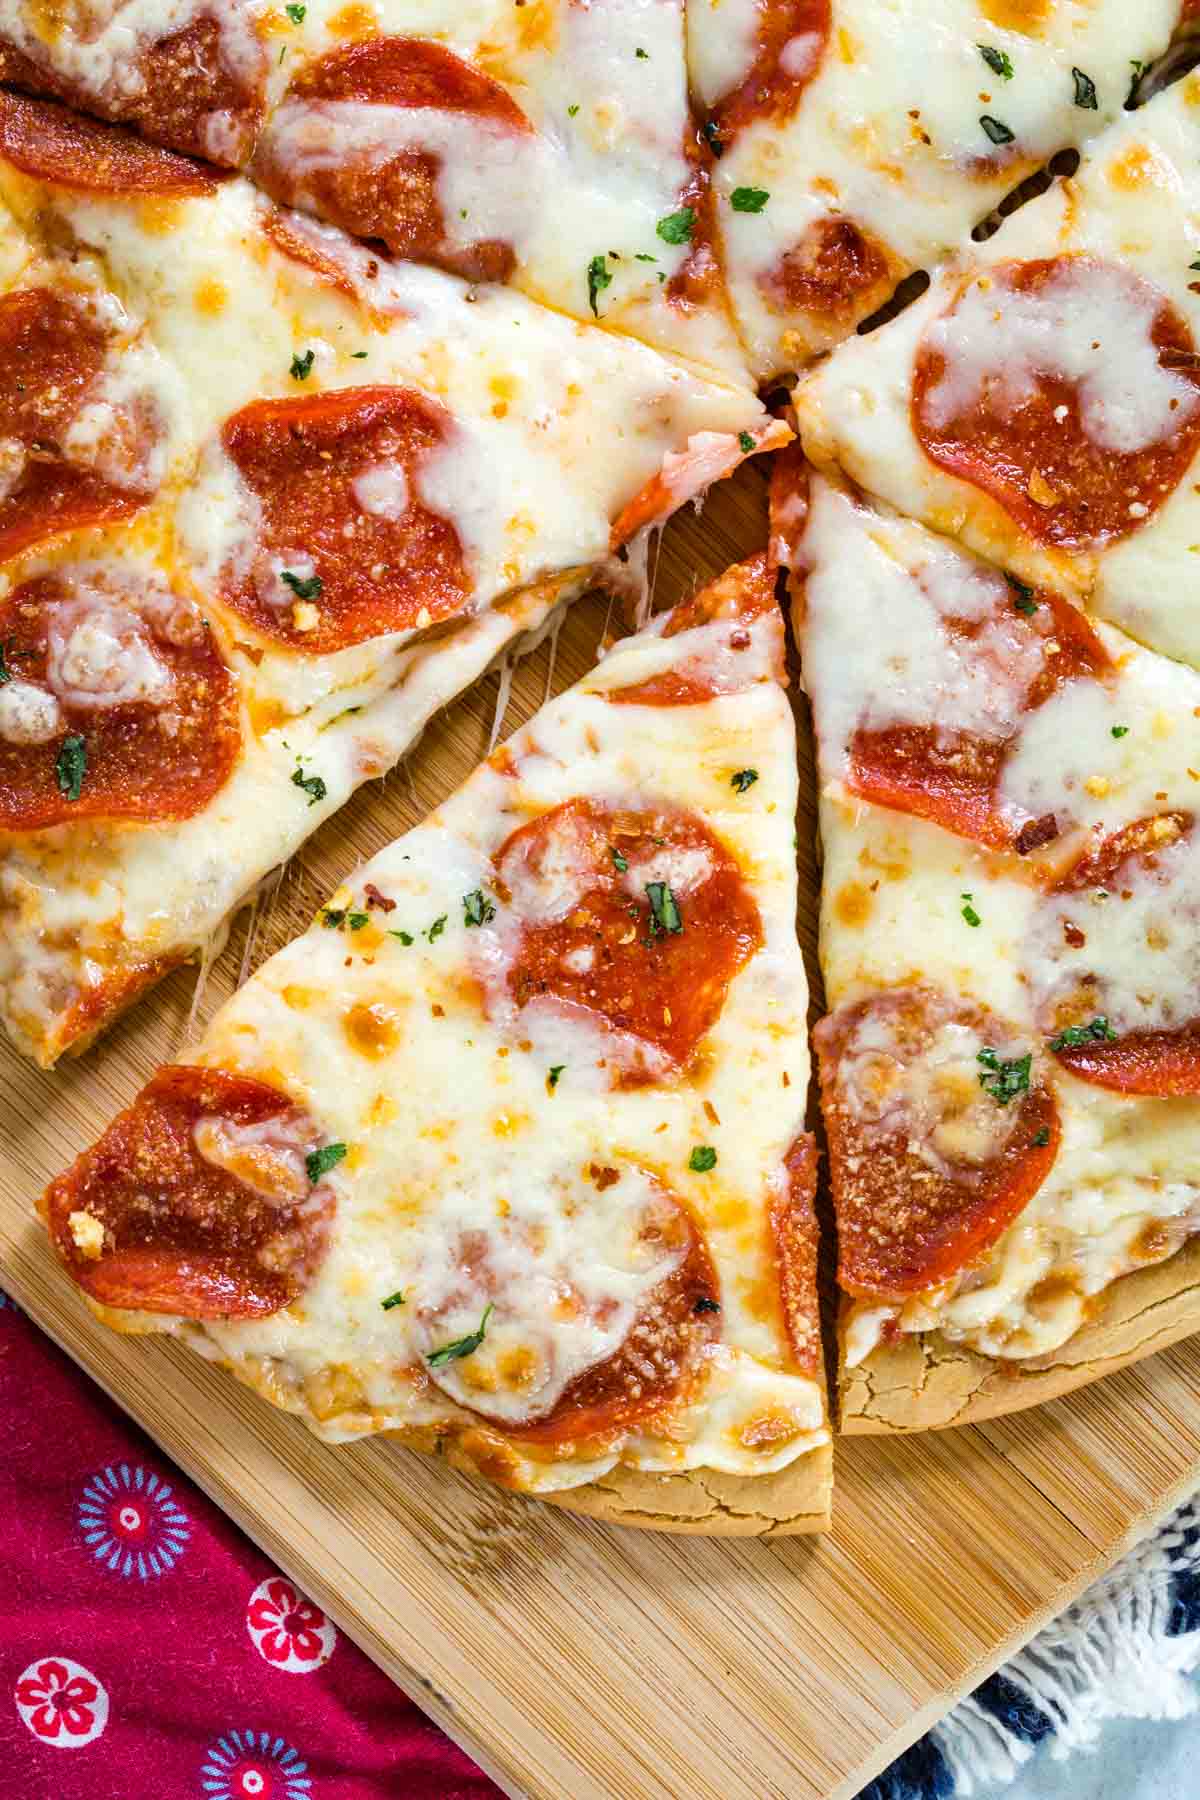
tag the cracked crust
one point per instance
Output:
(925, 1383)
(705, 1502)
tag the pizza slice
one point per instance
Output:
(506, 1155)
(1042, 401)
(270, 500)
(1010, 1066)
(553, 149)
(859, 142)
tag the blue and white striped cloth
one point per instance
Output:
(1126, 1650)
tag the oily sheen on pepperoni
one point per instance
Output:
(1033, 455)
(236, 1238)
(952, 777)
(660, 1352)
(789, 45)
(1163, 1063)
(604, 955)
(190, 89)
(71, 151)
(162, 756)
(928, 1169)
(377, 570)
(52, 357)
(836, 271)
(391, 195)
(739, 595)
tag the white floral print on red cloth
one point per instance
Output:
(288, 1630)
(61, 1702)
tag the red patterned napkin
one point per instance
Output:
(150, 1652)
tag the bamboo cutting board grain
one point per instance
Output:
(574, 1660)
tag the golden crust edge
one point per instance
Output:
(788, 1502)
(926, 1383)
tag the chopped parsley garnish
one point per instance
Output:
(296, 13)
(478, 908)
(996, 129)
(1004, 1080)
(743, 779)
(998, 61)
(572, 110)
(702, 1159)
(599, 276)
(552, 1078)
(357, 920)
(313, 785)
(745, 442)
(359, 355)
(620, 863)
(1120, 731)
(1023, 600)
(305, 587)
(1096, 1031)
(644, 256)
(676, 228)
(319, 1162)
(463, 1346)
(713, 137)
(642, 55)
(406, 937)
(333, 917)
(71, 767)
(705, 1305)
(749, 199)
(302, 365)
(968, 911)
(396, 1299)
(8, 653)
(1085, 91)
(1041, 1140)
(435, 931)
(664, 912)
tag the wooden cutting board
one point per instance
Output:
(577, 1661)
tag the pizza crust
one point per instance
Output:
(925, 1383)
(708, 1503)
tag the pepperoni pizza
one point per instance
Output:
(1010, 1068)
(858, 142)
(551, 147)
(1042, 400)
(267, 500)
(506, 1155)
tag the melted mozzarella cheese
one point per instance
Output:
(1133, 200)
(1089, 325)
(28, 714)
(99, 654)
(471, 1181)
(1124, 1189)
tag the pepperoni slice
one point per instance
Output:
(1084, 1013)
(64, 148)
(793, 1226)
(53, 351)
(789, 46)
(939, 1135)
(739, 595)
(659, 1356)
(337, 479)
(836, 271)
(196, 1201)
(952, 777)
(114, 703)
(199, 89)
(382, 178)
(632, 922)
(1067, 389)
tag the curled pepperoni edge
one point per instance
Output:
(66, 149)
